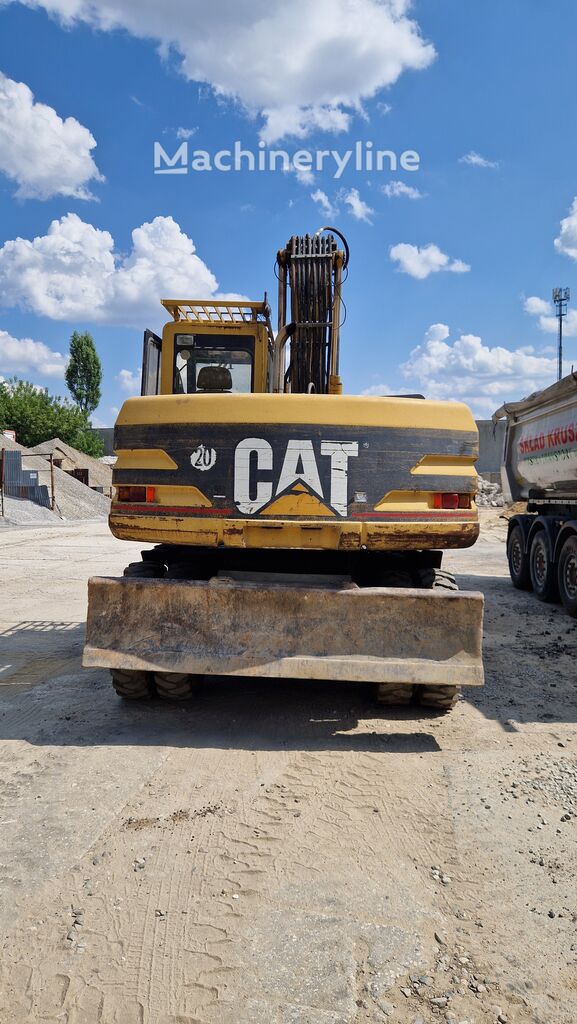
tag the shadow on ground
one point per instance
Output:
(529, 664)
(529, 656)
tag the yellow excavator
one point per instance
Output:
(297, 532)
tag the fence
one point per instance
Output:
(18, 482)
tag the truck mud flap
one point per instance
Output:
(226, 627)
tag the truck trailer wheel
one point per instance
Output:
(131, 685)
(542, 568)
(518, 559)
(567, 575)
(175, 685)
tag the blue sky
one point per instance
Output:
(481, 90)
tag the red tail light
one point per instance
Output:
(446, 501)
(135, 495)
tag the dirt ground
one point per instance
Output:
(281, 853)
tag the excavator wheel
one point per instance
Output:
(442, 698)
(144, 570)
(131, 685)
(435, 579)
(175, 686)
(391, 695)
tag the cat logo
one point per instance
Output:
(298, 485)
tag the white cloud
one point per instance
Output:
(23, 355)
(323, 202)
(384, 108)
(383, 390)
(328, 56)
(536, 306)
(305, 176)
(357, 206)
(476, 160)
(468, 370)
(185, 133)
(43, 154)
(298, 122)
(398, 190)
(73, 272)
(420, 262)
(567, 241)
(548, 323)
(130, 381)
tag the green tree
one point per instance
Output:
(37, 416)
(84, 372)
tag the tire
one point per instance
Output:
(519, 561)
(393, 695)
(396, 578)
(442, 698)
(567, 576)
(175, 686)
(144, 570)
(131, 685)
(542, 568)
(435, 579)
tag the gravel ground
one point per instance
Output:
(282, 853)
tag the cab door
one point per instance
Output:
(151, 364)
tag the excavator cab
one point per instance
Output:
(210, 348)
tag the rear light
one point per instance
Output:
(135, 495)
(448, 500)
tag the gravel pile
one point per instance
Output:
(73, 499)
(99, 474)
(19, 512)
(489, 495)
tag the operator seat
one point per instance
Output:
(214, 379)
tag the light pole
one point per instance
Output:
(561, 297)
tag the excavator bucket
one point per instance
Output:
(322, 630)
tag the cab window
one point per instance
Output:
(213, 364)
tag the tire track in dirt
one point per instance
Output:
(232, 866)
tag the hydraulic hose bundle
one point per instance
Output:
(312, 266)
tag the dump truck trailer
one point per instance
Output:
(297, 532)
(540, 468)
